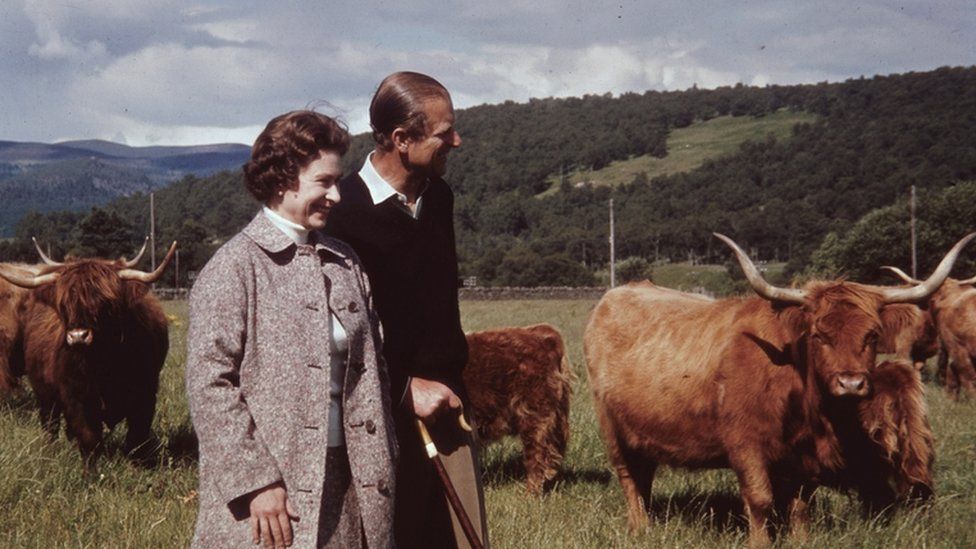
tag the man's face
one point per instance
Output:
(428, 153)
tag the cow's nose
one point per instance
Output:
(851, 384)
(80, 336)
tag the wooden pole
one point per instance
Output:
(914, 248)
(613, 259)
(152, 232)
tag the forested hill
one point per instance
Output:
(868, 140)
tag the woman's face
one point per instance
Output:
(317, 192)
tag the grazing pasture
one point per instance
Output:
(46, 503)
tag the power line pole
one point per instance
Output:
(152, 230)
(914, 250)
(613, 260)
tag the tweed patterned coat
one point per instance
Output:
(257, 378)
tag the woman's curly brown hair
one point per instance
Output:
(289, 143)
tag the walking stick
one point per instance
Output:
(452, 497)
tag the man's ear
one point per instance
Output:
(400, 140)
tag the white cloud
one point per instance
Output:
(170, 72)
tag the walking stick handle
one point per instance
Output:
(429, 445)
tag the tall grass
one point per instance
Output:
(45, 502)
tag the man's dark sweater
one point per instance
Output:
(412, 267)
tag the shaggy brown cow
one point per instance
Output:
(908, 332)
(93, 342)
(953, 309)
(519, 382)
(13, 302)
(895, 421)
(739, 383)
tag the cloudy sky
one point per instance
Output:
(170, 72)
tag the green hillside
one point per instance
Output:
(688, 148)
(70, 185)
(777, 168)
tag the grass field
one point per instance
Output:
(46, 503)
(689, 148)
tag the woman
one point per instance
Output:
(287, 387)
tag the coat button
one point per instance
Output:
(370, 426)
(381, 487)
(353, 307)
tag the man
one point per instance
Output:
(397, 213)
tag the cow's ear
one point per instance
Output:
(135, 291)
(797, 321)
(45, 294)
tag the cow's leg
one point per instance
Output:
(543, 446)
(138, 438)
(641, 471)
(960, 373)
(637, 506)
(49, 409)
(83, 421)
(966, 373)
(942, 366)
(757, 495)
(793, 504)
(952, 381)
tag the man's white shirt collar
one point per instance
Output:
(380, 189)
(296, 232)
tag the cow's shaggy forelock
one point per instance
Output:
(86, 292)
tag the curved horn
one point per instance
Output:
(47, 260)
(968, 281)
(130, 263)
(28, 281)
(932, 283)
(902, 275)
(149, 278)
(759, 284)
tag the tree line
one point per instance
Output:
(781, 199)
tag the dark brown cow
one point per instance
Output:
(93, 341)
(519, 382)
(13, 302)
(953, 309)
(893, 437)
(750, 384)
(909, 333)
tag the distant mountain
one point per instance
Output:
(109, 148)
(76, 175)
(158, 163)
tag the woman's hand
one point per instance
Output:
(271, 516)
